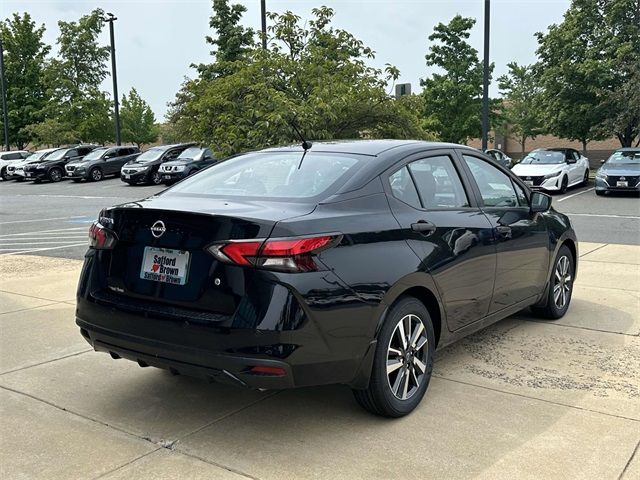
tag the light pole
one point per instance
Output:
(485, 78)
(3, 87)
(263, 15)
(110, 18)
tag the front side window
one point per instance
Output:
(278, 174)
(438, 183)
(57, 155)
(403, 188)
(190, 153)
(495, 186)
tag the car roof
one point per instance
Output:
(628, 149)
(175, 145)
(362, 147)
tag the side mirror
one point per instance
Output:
(540, 202)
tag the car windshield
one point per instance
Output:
(189, 153)
(546, 157)
(95, 154)
(277, 174)
(150, 155)
(36, 155)
(625, 158)
(57, 155)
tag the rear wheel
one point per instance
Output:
(96, 174)
(402, 363)
(564, 185)
(560, 286)
(55, 174)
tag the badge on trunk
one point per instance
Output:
(158, 229)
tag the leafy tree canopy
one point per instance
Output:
(24, 62)
(314, 75)
(137, 120)
(453, 98)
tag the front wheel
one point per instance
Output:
(4, 174)
(155, 178)
(560, 286)
(402, 363)
(96, 174)
(564, 185)
(55, 174)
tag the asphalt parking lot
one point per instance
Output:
(522, 399)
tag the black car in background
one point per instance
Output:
(52, 167)
(187, 163)
(101, 162)
(620, 172)
(144, 169)
(348, 263)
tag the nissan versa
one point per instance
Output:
(344, 262)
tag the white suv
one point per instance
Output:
(553, 169)
(15, 170)
(11, 157)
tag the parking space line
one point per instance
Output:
(42, 219)
(47, 232)
(576, 194)
(602, 215)
(21, 251)
(36, 243)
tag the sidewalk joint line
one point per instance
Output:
(581, 328)
(46, 362)
(594, 250)
(102, 475)
(219, 465)
(560, 404)
(626, 467)
(31, 296)
(30, 308)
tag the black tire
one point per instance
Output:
(95, 174)
(155, 178)
(561, 281)
(3, 174)
(585, 180)
(600, 192)
(379, 397)
(55, 174)
(564, 185)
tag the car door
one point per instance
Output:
(521, 237)
(111, 161)
(448, 232)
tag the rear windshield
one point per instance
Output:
(277, 175)
(544, 157)
(625, 157)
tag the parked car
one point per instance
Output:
(9, 158)
(187, 163)
(500, 157)
(553, 169)
(101, 162)
(344, 264)
(15, 171)
(145, 168)
(52, 167)
(620, 172)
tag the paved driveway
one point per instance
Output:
(522, 399)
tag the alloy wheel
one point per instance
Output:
(562, 284)
(407, 357)
(55, 175)
(155, 178)
(96, 174)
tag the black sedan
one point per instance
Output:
(350, 262)
(145, 168)
(620, 172)
(188, 162)
(52, 168)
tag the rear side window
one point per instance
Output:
(403, 187)
(438, 183)
(277, 174)
(495, 186)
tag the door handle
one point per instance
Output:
(423, 227)
(504, 231)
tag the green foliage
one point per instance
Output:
(521, 102)
(24, 62)
(584, 62)
(137, 120)
(233, 41)
(314, 75)
(51, 132)
(453, 99)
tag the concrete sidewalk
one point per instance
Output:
(522, 399)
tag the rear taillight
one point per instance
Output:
(101, 238)
(280, 254)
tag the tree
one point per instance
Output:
(74, 98)
(25, 54)
(51, 132)
(232, 41)
(453, 99)
(521, 102)
(313, 75)
(137, 119)
(584, 62)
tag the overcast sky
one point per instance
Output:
(157, 40)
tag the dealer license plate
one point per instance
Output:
(127, 176)
(622, 184)
(165, 265)
(166, 177)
